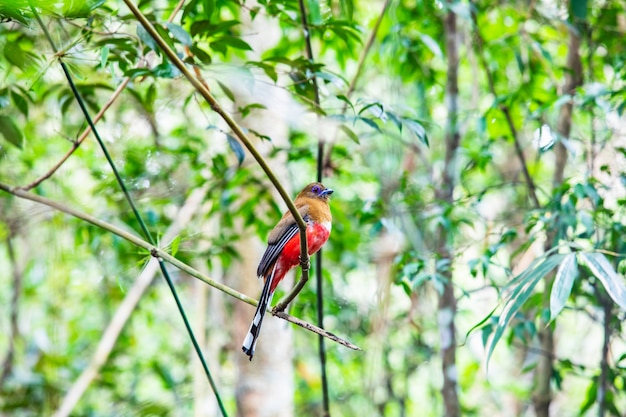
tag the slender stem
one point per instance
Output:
(237, 130)
(359, 68)
(318, 258)
(603, 380)
(157, 252)
(365, 51)
(532, 189)
(194, 341)
(138, 216)
(447, 305)
(7, 363)
(320, 322)
(282, 304)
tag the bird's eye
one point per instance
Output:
(316, 189)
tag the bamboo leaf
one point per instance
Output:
(175, 245)
(562, 287)
(20, 102)
(431, 44)
(236, 147)
(11, 132)
(226, 91)
(146, 38)
(350, 133)
(179, 33)
(524, 288)
(602, 269)
(480, 323)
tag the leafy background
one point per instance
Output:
(477, 253)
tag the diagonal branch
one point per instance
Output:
(160, 253)
(237, 130)
(126, 308)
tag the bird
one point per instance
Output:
(283, 249)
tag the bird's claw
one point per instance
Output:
(305, 263)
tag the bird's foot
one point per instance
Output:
(305, 263)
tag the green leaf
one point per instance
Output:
(17, 56)
(175, 245)
(350, 133)
(146, 38)
(20, 102)
(480, 323)
(525, 284)
(417, 129)
(431, 44)
(562, 287)
(209, 8)
(222, 43)
(80, 8)
(579, 9)
(151, 94)
(166, 70)
(104, 56)
(565, 98)
(370, 123)
(269, 70)
(602, 269)
(11, 132)
(227, 91)
(179, 33)
(346, 100)
(199, 53)
(590, 398)
(236, 148)
(12, 11)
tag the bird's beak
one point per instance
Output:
(328, 191)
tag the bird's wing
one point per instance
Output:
(284, 231)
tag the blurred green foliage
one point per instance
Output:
(63, 279)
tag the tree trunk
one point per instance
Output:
(542, 394)
(447, 301)
(265, 385)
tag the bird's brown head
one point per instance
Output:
(316, 190)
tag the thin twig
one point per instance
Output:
(80, 139)
(315, 329)
(532, 189)
(284, 302)
(237, 130)
(176, 10)
(603, 379)
(157, 252)
(7, 363)
(359, 68)
(318, 258)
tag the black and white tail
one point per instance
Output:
(249, 343)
